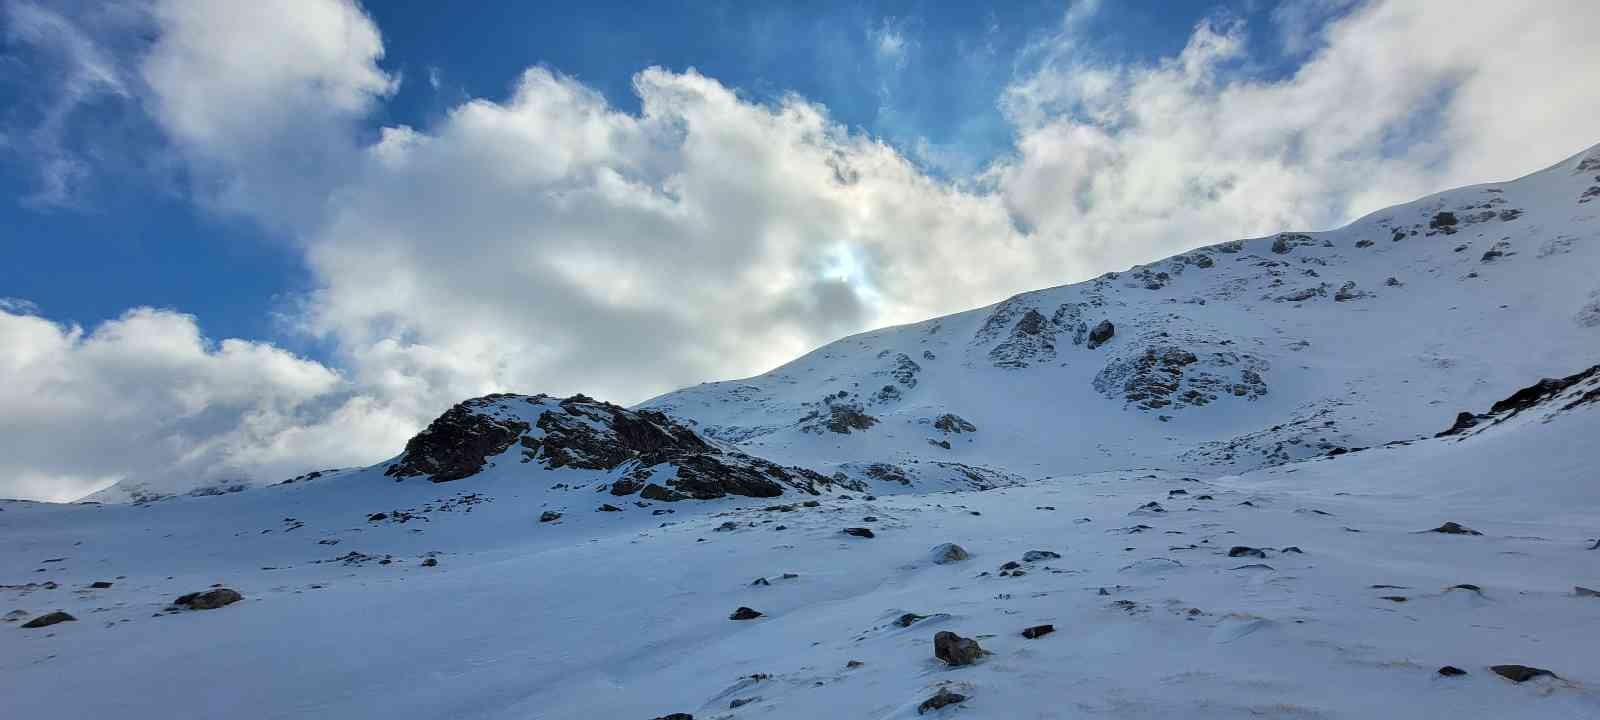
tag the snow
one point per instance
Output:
(625, 614)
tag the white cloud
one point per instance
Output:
(146, 397)
(549, 242)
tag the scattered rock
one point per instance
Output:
(1394, 598)
(1451, 671)
(549, 516)
(744, 613)
(1520, 673)
(948, 553)
(1037, 555)
(1101, 333)
(860, 532)
(430, 562)
(48, 619)
(761, 582)
(1243, 551)
(676, 716)
(854, 664)
(608, 507)
(1292, 550)
(1038, 631)
(100, 584)
(209, 599)
(1582, 591)
(739, 702)
(908, 619)
(940, 699)
(954, 649)
(952, 423)
(377, 517)
(1454, 528)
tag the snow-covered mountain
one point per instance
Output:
(1313, 475)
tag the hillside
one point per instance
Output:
(1256, 480)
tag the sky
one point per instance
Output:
(240, 241)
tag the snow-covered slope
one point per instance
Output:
(1234, 356)
(1221, 501)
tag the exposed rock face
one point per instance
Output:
(209, 600)
(1164, 375)
(457, 444)
(1554, 395)
(1032, 341)
(668, 461)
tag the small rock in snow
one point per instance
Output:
(608, 507)
(908, 619)
(744, 613)
(738, 702)
(761, 581)
(1582, 591)
(1520, 673)
(676, 716)
(1037, 555)
(48, 619)
(954, 649)
(940, 699)
(1451, 671)
(860, 532)
(1455, 528)
(209, 600)
(552, 516)
(1243, 551)
(100, 584)
(853, 664)
(948, 553)
(1038, 631)
(430, 562)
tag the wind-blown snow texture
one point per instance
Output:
(1238, 472)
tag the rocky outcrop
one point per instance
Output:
(458, 443)
(658, 457)
(1551, 395)
(1101, 333)
(952, 423)
(209, 599)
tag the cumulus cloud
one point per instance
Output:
(1128, 164)
(147, 398)
(548, 241)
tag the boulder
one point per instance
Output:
(954, 649)
(1451, 671)
(1243, 551)
(940, 699)
(1454, 528)
(744, 613)
(859, 532)
(1038, 631)
(549, 516)
(48, 619)
(1101, 333)
(1520, 673)
(1037, 555)
(948, 553)
(209, 599)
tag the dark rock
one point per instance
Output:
(954, 649)
(860, 532)
(430, 562)
(952, 423)
(608, 507)
(676, 716)
(1464, 421)
(1037, 555)
(948, 553)
(209, 599)
(1292, 549)
(744, 613)
(1445, 221)
(741, 702)
(549, 516)
(1520, 673)
(456, 444)
(761, 581)
(1243, 551)
(939, 700)
(1101, 333)
(653, 491)
(1466, 586)
(1453, 528)
(1011, 565)
(48, 619)
(1451, 671)
(854, 664)
(1394, 598)
(1038, 631)
(908, 619)
(377, 517)
(1582, 591)
(100, 584)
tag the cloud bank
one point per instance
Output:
(546, 241)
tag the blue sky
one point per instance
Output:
(242, 241)
(130, 237)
